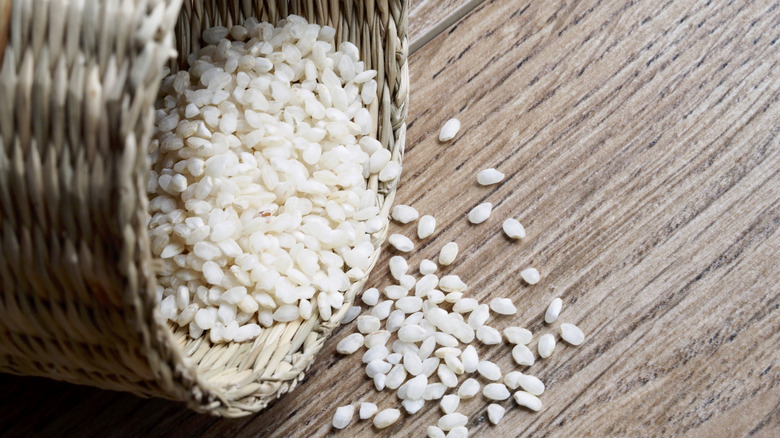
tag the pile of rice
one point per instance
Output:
(261, 168)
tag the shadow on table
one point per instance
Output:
(33, 406)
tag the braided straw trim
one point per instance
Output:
(77, 272)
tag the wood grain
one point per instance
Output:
(640, 142)
(424, 15)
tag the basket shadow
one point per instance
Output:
(35, 406)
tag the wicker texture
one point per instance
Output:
(77, 85)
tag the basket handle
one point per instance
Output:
(5, 19)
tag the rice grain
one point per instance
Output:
(513, 229)
(553, 310)
(386, 418)
(404, 214)
(546, 345)
(518, 335)
(523, 355)
(453, 420)
(503, 306)
(495, 413)
(496, 391)
(528, 400)
(426, 226)
(489, 370)
(449, 403)
(367, 410)
(572, 334)
(489, 177)
(449, 130)
(448, 254)
(343, 416)
(530, 275)
(468, 389)
(400, 242)
(480, 213)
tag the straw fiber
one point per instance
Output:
(78, 82)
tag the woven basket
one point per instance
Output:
(78, 82)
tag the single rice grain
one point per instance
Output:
(480, 213)
(449, 130)
(528, 400)
(546, 345)
(426, 226)
(343, 416)
(530, 275)
(386, 418)
(496, 392)
(495, 413)
(448, 254)
(553, 310)
(572, 334)
(367, 410)
(468, 389)
(513, 229)
(489, 176)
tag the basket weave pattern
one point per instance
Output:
(77, 85)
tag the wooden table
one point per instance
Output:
(641, 143)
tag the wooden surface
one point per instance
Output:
(424, 15)
(642, 151)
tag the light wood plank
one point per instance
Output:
(429, 18)
(640, 143)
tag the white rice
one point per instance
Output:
(350, 343)
(427, 267)
(527, 400)
(449, 130)
(258, 194)
(488, 335)
(404, 214)
(448, 254)
(413, 406)
(553, 310)
(489, 177)
(386, 418)
(458, 432)
(434, 432)
(495, 391)
(453, 420)
(503, 306)
(480, 213)
(489, 370)
(518, 335)
(367, 410)
(530, 275)
(572, 334)
(398, 267)
(370, 296)
(400, 242)
(531, 384)
(368, 324)
(513, 229)
(469, 388)
(523, 355)
(495, 413)
(426, 226)
(546, 345)
(343, 416)
(449, 403)
(470, 359)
